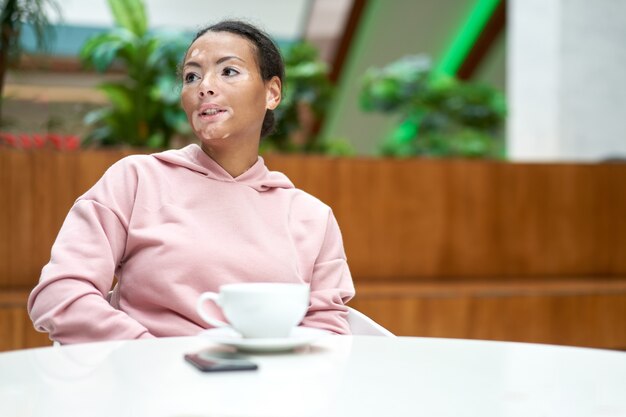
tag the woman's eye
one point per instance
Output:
(190, 77)
(229, 72)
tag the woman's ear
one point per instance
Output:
(273, 93)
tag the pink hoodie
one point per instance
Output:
(172, 225)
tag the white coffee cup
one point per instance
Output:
(259, 309)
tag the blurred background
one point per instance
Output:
(471, 149)
(552, 68)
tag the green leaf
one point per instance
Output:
(130, 14)
(300, 52)
(308, 70)
(101, 50)
(156, 140)
(167, 49)
(96, 116)
(336, 147)
(166, 89)
(121, 97)
(100, 135)
(406, 131)
(177, 120)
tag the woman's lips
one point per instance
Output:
(210, 113)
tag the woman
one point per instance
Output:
(174, 224)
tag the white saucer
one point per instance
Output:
(300, 336)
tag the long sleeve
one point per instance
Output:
(69, 302)
(331, 284)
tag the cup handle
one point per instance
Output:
(206, 296)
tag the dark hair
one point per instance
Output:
(268, 56)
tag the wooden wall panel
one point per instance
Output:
(16, 328)
(381, 212)
(20, 203)
(17, 332)
(571, 312)
(38, 189)
(401, 219)
(5, 217)
(418, 219)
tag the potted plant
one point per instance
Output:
(438, 114)
(307, 93)
(144, 109)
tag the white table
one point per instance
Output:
(337, 376)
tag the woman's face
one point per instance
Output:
(223, 93)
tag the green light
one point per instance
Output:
(467, 36)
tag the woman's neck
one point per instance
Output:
(234, 160)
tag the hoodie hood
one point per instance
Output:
(193, 158)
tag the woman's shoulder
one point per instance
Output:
(306, 205)
(135, 164)
(131, 161)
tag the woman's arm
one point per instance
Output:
(331, 284)
(70, 300)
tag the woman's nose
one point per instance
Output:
(207, 86)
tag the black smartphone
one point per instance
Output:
(220, 362)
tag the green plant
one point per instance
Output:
(307, 93)
(144, 108)
(14, 14)
(438, 114)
